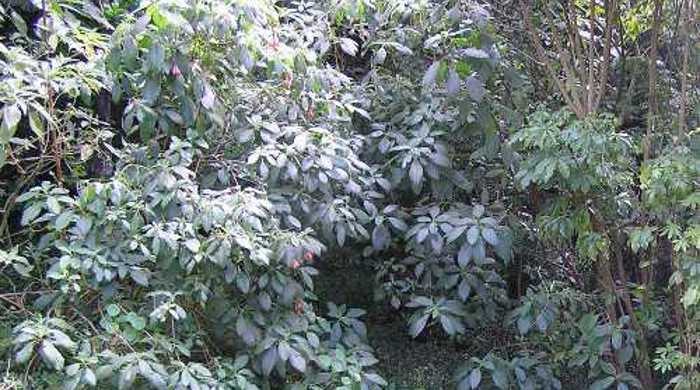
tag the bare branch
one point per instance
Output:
(653, 55)
(541, 56)
(610, 18)
(591, 57)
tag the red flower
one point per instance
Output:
(175, 71)
(296, 264)
(309, 256)
(299, 306)
(288, 79)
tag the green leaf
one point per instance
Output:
(208, 98)
(451, 325)
(19, 23)
(63, 220)
(36, 124)
(455, 233)
(607, 368)
(193, 245)
(379, 56)
(415, 174)
(112, 310)
(349, 46)
(30, 214)
(524, 324)
(490, 236)
(53, 205)
(478, 211)
(136, 321)
(431, 75)
(269, 358)
(11, 116)
(297, 361)
(464, 290)
(246, 330)
(453, 82)
(156, 57)
(473, 235)
(602, 384)
(22, 356)
(51, 356)
(61, 340)
(465, 254)
(73, 369)
(375, 378)
(25, 197)
(500, 378)
(127, 377)
(626, 353)
(243, 282)
(475, 88)
(464, 384)
(474, 53)
(417, 326)
(616, 339)
(89, 377)
(475, 378)
(139, 276)
(71, 383)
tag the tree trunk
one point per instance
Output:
(653, 57)
(686, 18)
(643, 356)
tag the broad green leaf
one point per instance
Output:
(415, 174)
(51, 356)
(89, 377)
(349, 46)
(475, 378)
(464, 290)
(37, 125)
(475, 88)
(30, 214)
(417, 326)
(269, 359)
(465, 254)
(431, 75)
(22, 356)
(602, 384)
(473, 235)
(53, 205)
(490, 236)
(63, 220)
(11, 116)
(297, 361)
(453, 82)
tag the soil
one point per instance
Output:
(425, 363)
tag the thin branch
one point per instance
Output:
(591, 56)
(564, 56)
(571, 18)
(542, 57)
(653, 55)
(610, 11)
(686, 17)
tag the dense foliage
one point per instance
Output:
(176, 175)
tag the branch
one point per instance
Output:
(575, 37)
(571, 75)
(610, 12)
(591, 56)
(653, 107)
(686, 19)
(542, 57)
